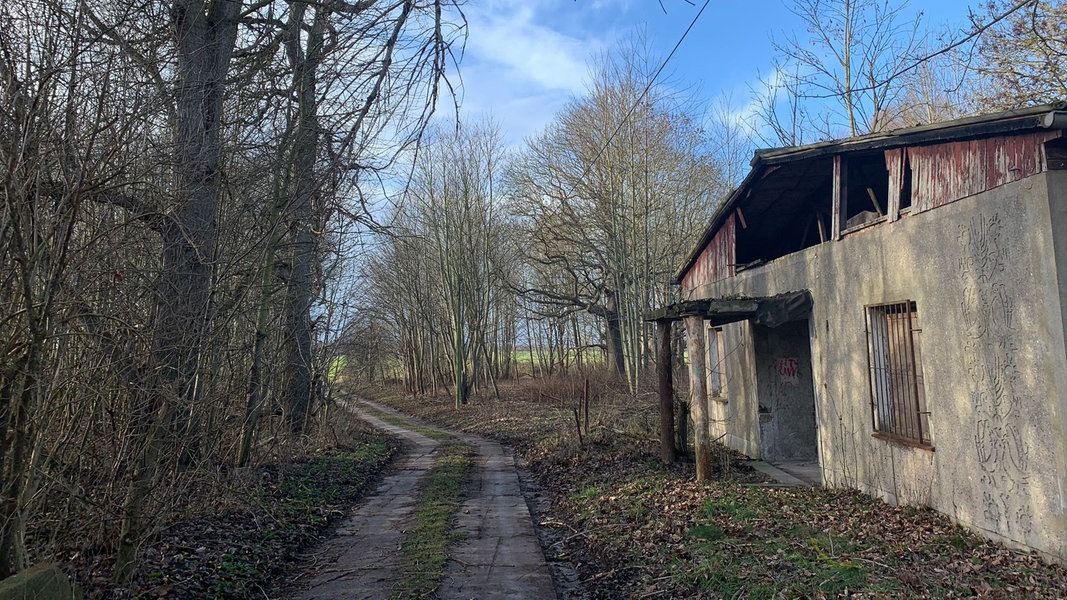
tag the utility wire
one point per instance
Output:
(977, 29)
(641, 96)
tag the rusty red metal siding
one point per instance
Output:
(716, 260)
(945, 173)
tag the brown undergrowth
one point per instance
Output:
(637, 529)
(235, 533)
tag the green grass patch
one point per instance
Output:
(426, 545)
(433, 434)
(336, 366)
(708, 532)
(528, 361)
(309, 491)
(287, 508)
(796, 558)
(587, 493)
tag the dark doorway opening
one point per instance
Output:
(786, 393)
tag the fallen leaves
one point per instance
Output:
(644, 530)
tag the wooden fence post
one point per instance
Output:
(698, 395)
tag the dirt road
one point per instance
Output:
(498, 555)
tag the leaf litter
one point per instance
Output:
(634, 528)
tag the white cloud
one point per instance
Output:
(525, 49)
(524, 60)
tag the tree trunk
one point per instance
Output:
(16, 451)
(204, 42)
(613, 332)
(698, 396)
(683, 427)
(297, 340)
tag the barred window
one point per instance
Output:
(716, 367)
(898, 403)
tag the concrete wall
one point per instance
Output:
(987, 275)
(39, 582)
(736, 422)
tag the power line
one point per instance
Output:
(641, 96)
(977, 29)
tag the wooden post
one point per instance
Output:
(840, 198)
(578, 426)
(698, 395)
(585, 405)
(665, 372)
(682, 426)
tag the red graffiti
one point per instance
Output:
(789, 370)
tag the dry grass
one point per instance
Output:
(637, 529)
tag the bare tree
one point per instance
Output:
(730, 137)
(174, 175)
(610, 197)
(845, 72)
(1023, 58)
(61, 136)
(451, 215)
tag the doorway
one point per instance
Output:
(785, 390)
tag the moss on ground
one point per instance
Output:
(427, 545)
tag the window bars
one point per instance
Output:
(898, 403)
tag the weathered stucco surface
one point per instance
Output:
(987, 274)
(736, 422)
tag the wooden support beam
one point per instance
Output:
(741, 218)
(665, 373)
(721, 310)
(874, 201)
(698, 396)
(840, 197)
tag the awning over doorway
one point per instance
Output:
(770, 311)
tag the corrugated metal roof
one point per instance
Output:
(1045, 116)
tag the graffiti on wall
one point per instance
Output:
(788, 370)
(996, 394)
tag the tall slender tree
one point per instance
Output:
(844, 77)
(610, 197)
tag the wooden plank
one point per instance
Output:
(741, 216)
(840, 197)
(712, 308)
(665, 375)
(945, 173)
(716, 260)
(894, 163)
(874, 201)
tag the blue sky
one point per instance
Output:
(525, 58)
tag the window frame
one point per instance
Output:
(715, 346)
(896, 385)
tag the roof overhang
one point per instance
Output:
(1046, 116)
(770, 311)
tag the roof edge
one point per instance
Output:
(1045, 116)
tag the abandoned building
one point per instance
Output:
(891, 309)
